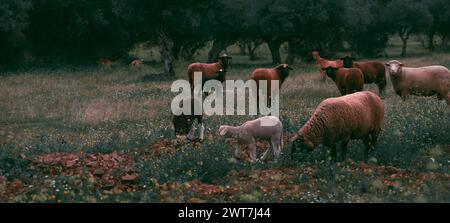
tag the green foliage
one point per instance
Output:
(13, 20)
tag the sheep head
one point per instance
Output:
(284, 70)
(315, 55)
(224, 60)
(394, 67)
(330, 71)
(299, 141)
(224, 131)
(347, 61)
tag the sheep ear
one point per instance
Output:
(290, 68)
(401, 65)
(387, 64)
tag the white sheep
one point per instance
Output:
(267, 128)
(422, 81)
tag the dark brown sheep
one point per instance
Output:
(374, 71)
(323, 63)
(209, 71)
(280, 73)
(348, 80)
(184, 125)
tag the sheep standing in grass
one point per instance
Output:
(422, 81)
(266, 128)
(348, 80)
(323, 63)
(209, 71)
(280, 73)
(354, 116)
(184, 124)
(374, 71)
(136, 62)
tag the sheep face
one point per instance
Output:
(224, 131)
(301, 143)
(394, 68)
(347, 61)
(330, 71)
(284, 69)
(315, 55)
(224, 61)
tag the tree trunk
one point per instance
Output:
(242, 47)
(445, 40)
(404, 45)
(176, 49)
(431, 41)
(166, 45)
(290, 59)
(217, 47)
(252, 46)
(274, 47)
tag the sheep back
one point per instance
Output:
(425, 81)
(352, 116)
(208, 70)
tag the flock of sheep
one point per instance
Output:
(358, 114)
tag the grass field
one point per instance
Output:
(104, 134)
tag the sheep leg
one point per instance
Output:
(446, 97)
(267, 153)
(276, 144)
(202, 131)
(344, 145)
(381, 85)
(374, 142)
(404, 95)
(333, 152)
(191, 133)
(367, 146)
(252, 148)
(237, 152)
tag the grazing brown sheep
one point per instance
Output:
(374, 71)
(136, 62)
(184, 125)
(348, 80)
(354, 116)
(280, 72)
(422, 81)
(323, 63)
(209, 71)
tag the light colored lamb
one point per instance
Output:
(354, 116)
(267, 128)
(422, 81)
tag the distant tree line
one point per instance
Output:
(79, 31)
